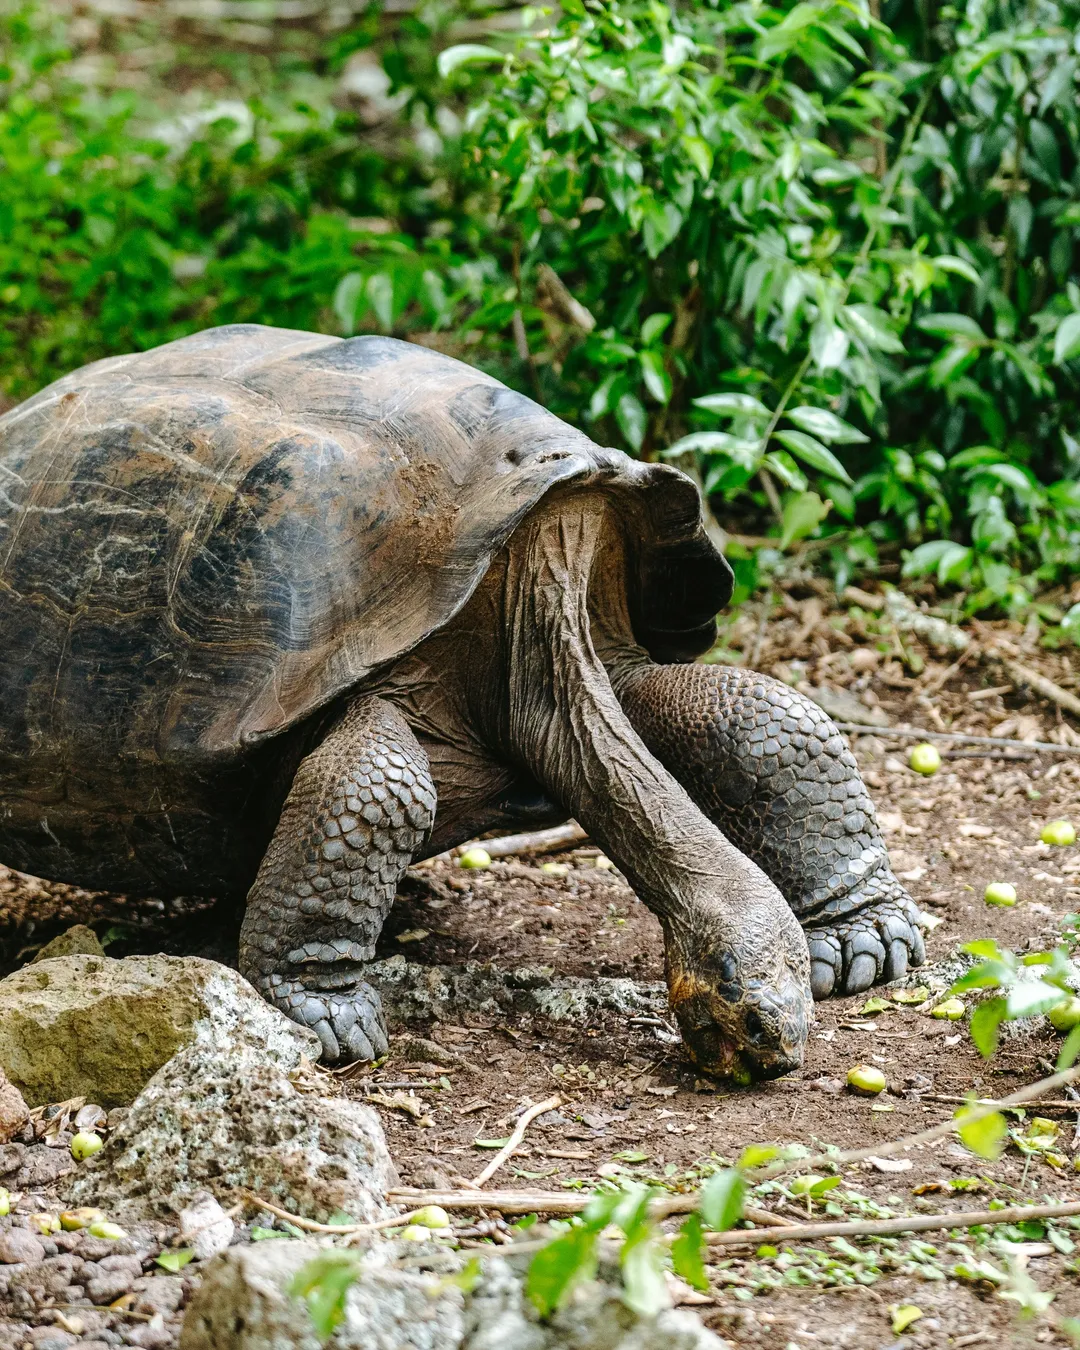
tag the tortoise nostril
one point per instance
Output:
(754, 1027)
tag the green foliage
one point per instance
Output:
(822, 260)
(323, 1283)
(1032, 984)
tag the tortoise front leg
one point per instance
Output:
(772, 770)
(360, 806)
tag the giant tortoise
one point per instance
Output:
(283, 613)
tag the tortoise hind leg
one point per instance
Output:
(360, 806)
(772, 771)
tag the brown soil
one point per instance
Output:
(627, 1089)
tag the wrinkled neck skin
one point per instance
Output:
(737, 965)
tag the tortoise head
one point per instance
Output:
(744, 1007)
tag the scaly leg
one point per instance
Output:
(361, 805)
(772, 771)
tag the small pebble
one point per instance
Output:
(18, 1245)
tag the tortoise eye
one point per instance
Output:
(728, 968)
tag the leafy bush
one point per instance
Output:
(822, 260)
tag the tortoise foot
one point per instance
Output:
(874, 944)
(347, 1017)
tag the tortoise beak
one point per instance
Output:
(747, 1036)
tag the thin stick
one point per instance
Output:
(918, 734)
(337, 1229)
(1039, 684)
(1062, 1105)
(946, 1127)
(493, 1166)
(537, 841)
(920, 1223)
(558, 1202)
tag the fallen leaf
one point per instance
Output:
(413, 935)
(891, 1164)
(401, 1101)
(903, 1314)
(661, 1091)
(976, 831)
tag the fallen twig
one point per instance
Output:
(918, 734)
(1039, 684)
(336, 1229)
(946, 1100)
(516, 1137)
(935, 1132)
(558, 1202)
(536, 841)
(916, 1223)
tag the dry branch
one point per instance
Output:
(519, 1133)
(918, 734)
(538, 841)
(559, 1202)
(920, 1223)
(336, 1229)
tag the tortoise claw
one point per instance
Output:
(348, 1021)
(873, 945)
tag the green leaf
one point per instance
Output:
(557, 1268)
(903, 1316)
(949, 262)
(632, 419)
(732, 405)
(380, 294)
(803, 513)
(491, 1143)
(826, 426)
(828, 345)
(699, 153)
(756, 1155)
(266, 1234)
(466, 53)
(812, 452)
(985, 1025)
(722, 1199)
(642, 1262)
(323, 1283)
(742, 451)
(176, 1260)
(987, 1135)
(346, 299)
(1070, 1049)
(1067, 339)
(653, 327)
(657, 380)
(663, 221)
(1028, 998)
(631, 1155)
(872, 326)
(688, 1253)
(951, 326)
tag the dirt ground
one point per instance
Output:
(633, 1106)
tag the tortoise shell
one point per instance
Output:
(204, 543)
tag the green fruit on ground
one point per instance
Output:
(85, 1144)
(103, 1229)
(416, 1232)
(475, 858)
(71, 1220)
(5, 1202)
(1059, 832)
(432, 1216)
(866, 1080)
(950, 1011)
(1000, 893)
(1066, 1015)
(924, 759)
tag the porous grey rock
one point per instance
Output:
(88, 1026)
(14, 1112)
(244, 1303)
(205, 1227)
(18, 1245)
(411, 991)
(79, 940)
(218, 1117)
